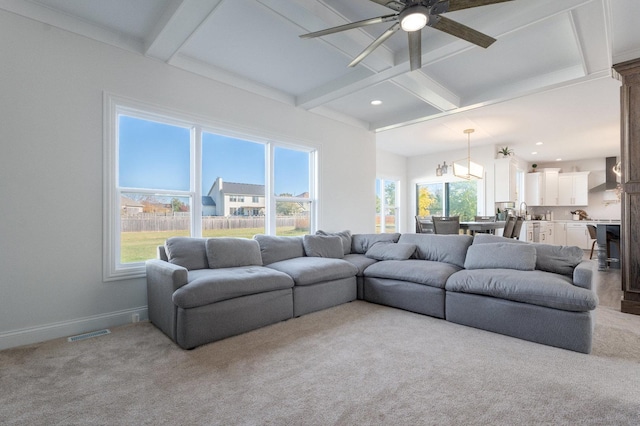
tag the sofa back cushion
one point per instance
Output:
(345, 236)
(233, 252)
(549, 258)
(323, 246)
(274, 249)
(450, 249)
(360, 243)
(190, 253)
(558, 259)
(501, 256)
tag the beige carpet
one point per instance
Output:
(358, 363)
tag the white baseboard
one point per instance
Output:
(27, 336)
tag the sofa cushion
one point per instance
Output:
(190, 253)
(360, 261)
(323, 246)
(213, 285)
(550, 258)
(391, 251)
(345, 236)
(439, 248)
(501, 255)
(274, 249)
(559, 259)
(313, 270)
(232, 252)
(360, 243)
(533, 287)
(433, 274)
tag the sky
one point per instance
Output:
(156, 156)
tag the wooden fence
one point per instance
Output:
(158, 223)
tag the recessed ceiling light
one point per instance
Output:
(376, 102)
(534, 153)
(558, 159)
(539, 143)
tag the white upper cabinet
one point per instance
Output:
(541, 188)
(573, 189)
(505, 180)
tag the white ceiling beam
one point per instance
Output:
(180, 21)
(428, 90)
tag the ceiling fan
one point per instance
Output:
(412, 16)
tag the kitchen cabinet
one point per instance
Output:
(546, 233)
(560, 233)
(505, 188)
(578, 235)
(573, 189)
(541, 188)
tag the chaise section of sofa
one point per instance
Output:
(322, 278)
(536, 292)
(203, 290)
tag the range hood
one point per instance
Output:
(610, 177)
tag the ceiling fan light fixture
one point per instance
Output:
(414, 18)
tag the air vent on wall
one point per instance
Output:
(89, 335)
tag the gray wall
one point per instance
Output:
(51, 168)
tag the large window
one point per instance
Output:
(387, 202)
(169, 175)
(448, 199)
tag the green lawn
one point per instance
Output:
(140, 246)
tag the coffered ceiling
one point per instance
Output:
(546, 79)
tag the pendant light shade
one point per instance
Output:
(465, 168)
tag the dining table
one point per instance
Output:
(472, 227)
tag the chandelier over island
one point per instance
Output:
(465, 168)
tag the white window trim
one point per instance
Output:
(113, 105)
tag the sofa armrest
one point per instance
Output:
(161, 273)
(583, 275)
(163, 279)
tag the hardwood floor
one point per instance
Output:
(608, 284)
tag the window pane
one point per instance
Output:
(292, 218)
(463, 199)
(153, 155)
(386, 210)
(233, 186)
(390, 206)
(146, 221)
(291, 173)
(429, 199)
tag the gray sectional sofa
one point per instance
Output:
(202, 290)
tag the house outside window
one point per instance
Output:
(153, 159)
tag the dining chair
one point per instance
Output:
(446, 224)
(517, 227)
(486, 219)
(593, 234)
(421, 225)
(508, 226)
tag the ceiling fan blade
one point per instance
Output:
(415, 49)
(466, 4)
(396, 5)
(462, 31)
(350, 26)
(377, 42)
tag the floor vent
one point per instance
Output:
(88, 335)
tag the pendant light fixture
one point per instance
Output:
(465, 168)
